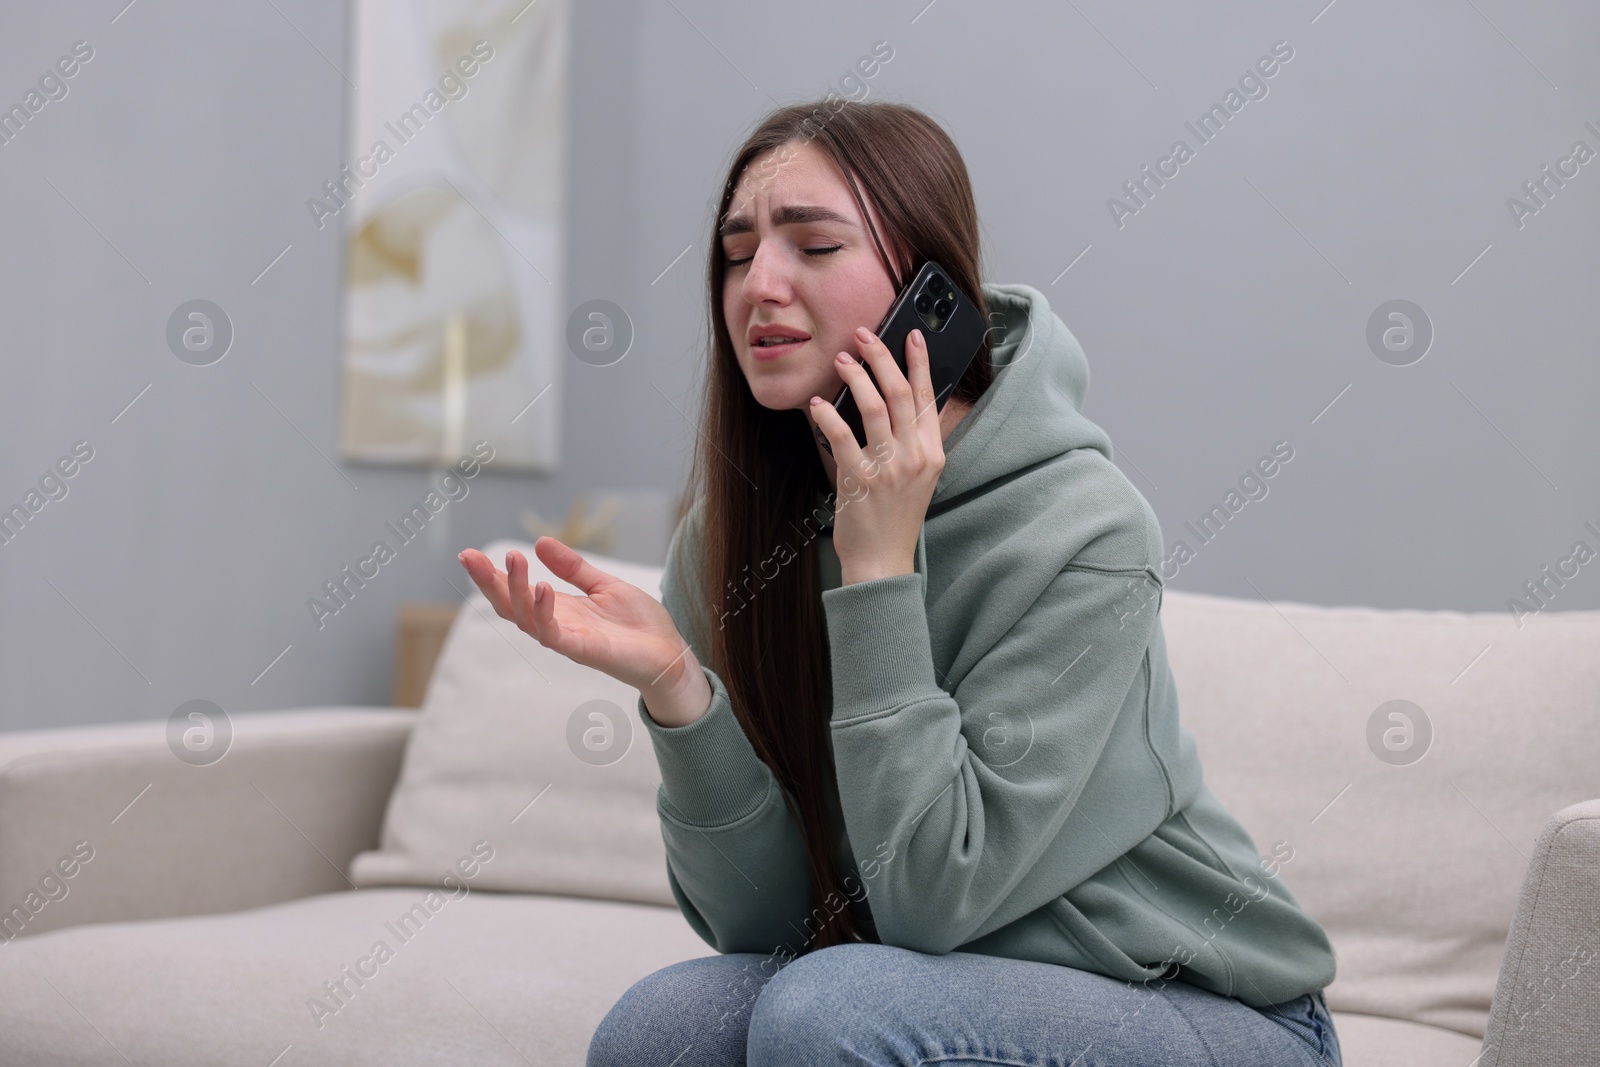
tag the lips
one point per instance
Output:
(773, 351)
(774, 329)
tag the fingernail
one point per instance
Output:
(843, 357)
(866, 334)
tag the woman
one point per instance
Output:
(924, 788)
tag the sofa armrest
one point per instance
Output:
(1544, 1003)
(105, 823)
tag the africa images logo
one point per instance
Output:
(342, 588)
(405, 128)
(1252, 85)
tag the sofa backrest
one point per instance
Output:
(1411, 823)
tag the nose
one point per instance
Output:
(765, 278)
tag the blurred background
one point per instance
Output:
(1381, 255)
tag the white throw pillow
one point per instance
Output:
(540, 756)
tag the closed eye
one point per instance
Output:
(807, 251)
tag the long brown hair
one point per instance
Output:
(759, 469)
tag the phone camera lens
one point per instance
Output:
(944, 307)
(924, 302)
(935, 284)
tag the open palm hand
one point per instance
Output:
(615, 627)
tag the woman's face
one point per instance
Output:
(800, 258)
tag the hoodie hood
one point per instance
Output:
(1033, 410)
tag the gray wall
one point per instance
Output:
(1222, 317)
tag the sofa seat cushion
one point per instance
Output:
(463, 981)
(1374, 1041)
(483, 972)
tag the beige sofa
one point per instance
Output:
(210, 908)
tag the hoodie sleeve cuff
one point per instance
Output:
(879, 647)
(710, 773)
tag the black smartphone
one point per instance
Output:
(948, 320)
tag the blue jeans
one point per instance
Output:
(877, 1004)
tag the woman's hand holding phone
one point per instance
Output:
(616, 627)
(875, 531)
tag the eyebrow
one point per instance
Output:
(783, 216)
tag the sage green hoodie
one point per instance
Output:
(1013, 778)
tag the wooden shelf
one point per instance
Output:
(419, 637)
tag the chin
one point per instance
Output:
(779, 396)
(783, 402)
